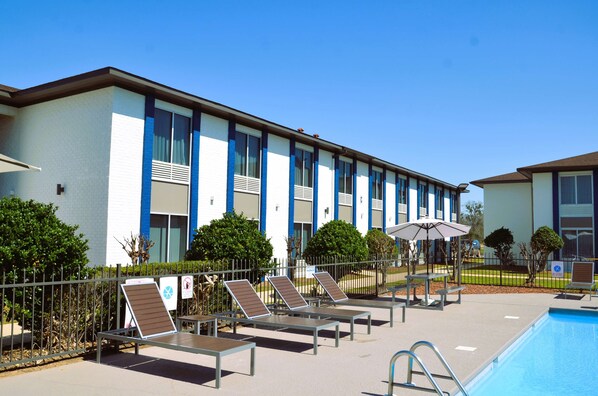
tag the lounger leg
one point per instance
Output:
(315, 342)
(218, 372)
(338, 333)
(404, 309)
(252, 362)
(99, 349)
(136, 348)
(369, 324)
(392, 312)
(352, 327)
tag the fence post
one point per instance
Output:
(118, 281)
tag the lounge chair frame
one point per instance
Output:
(155, 328)
(256, 313)
(582, 278)
(338, 297)
(296, 305)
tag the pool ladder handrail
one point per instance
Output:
(413, 357)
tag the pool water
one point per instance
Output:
(558, 356)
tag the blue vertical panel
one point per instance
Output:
(194, 195)
(336, 185)
(146, 168)
(355, 191)
(370, 178)
(316, 189)
(407, 192)
(384, 199)
(595, 203)
(556, 226)
(264, 182)
(230, 171)
(292, 188)
(419, 199)
(397, 197)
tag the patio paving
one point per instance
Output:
(285, 364)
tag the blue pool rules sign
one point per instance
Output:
(169, 291)
(557, 269)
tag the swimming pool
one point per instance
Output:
(557, 356)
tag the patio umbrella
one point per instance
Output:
(427, 229)
(8, 164)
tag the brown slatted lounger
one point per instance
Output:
(582, 277)
(155, 327)
(339, 297)
(256, 313)
(298, 306)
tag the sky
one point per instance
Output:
(457, 90)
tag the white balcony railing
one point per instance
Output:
(402, 208)
(306, 193)
(345, 199)
(171, 172)
(377, 204)
(247, 184)
(453, 217)
(439, 214)
(423, 212)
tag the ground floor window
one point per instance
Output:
(304, 232)
(169, 234)
(579, 243)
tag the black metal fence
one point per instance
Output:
(46, 318)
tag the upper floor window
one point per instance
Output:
(303, 168)
(345, 184)
(422, 191)
(576, 189)
(453, 203)
(171, 137)
(402, 191)
(247, 155)
(439, 200)
(377, 185)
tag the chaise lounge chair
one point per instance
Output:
(338, 297)
(582, 278)
(154, 327)
(297, 305)
(256, 313)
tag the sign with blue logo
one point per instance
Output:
(169, 291)
(557, 269)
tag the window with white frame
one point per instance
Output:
(169, 234)
(422, 191)
(402, 195)
(439, 204)
(453, 206)
(576, 189)
(171, 137)
(578, 243)
(247, 155)
(345, 183)
(303, 168)
(377, 185)
(303, 232)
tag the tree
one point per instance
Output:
(232, 237)
(381, 246)
(473, 216)
(543, 243)
(34, 240)
(501, 240)
(338, 239)
(35, 245)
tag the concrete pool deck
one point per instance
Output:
(285, 364)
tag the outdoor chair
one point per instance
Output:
(155, 327)
(296, 305)
(338, 297)
(582, 278)
(256, 313)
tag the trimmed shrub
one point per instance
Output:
(501, 240)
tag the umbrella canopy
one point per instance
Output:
(8, 164)
(426, 229)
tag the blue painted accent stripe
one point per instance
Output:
(354, 191)
(194, 196)
(397, 197)
(264, 182)
(595, 182)
(292, 187)
(555, 208)
(384, 200)
(230, 171)
(146, 167)
(316, 188)
(408, 192)
(370, 178)
(419, 198)
(336, 184)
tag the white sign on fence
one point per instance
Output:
(169, 291)
(310, 270)
(186, 286)
(129, 322)
(557, 269)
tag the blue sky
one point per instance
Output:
(458, 90)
